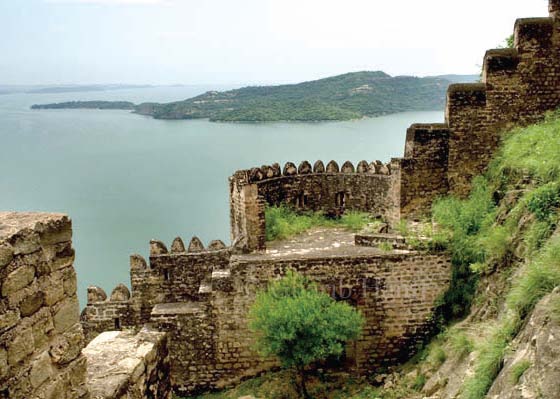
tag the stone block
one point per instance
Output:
(32, 303)
(20, 347)
(41, 370)
(6, 254)
(8, 320)
(18, 279)
(68, 346)
(66, 315)
(53, 290)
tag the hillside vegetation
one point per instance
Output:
(344, 97)
(505, 247)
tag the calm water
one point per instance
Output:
(125, 179)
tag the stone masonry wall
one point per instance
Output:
(330, 189)
(176, 275)
(128, 365)
(395, 292)
(40, 333)
(518, 86)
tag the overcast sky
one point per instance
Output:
(246, 41)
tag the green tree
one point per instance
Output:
(300, 325)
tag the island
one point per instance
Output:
(349, 96)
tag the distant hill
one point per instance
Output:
(87, 105)
(349, 96)
(343, 97)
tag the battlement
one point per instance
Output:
(267, 172)
(531, 34)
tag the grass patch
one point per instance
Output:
(518, 369)
(539, 278)
(460, 344)
(419, 382)
(283, 222)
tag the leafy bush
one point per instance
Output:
(299, 325)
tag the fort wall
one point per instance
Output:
(331, 189)
(40, 333)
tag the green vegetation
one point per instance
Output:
(344, 97)
(518, 369)
(482, 228)
(460, 344)
(295, 322)
(283, 222)
(87, 105)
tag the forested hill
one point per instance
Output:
(349, 96)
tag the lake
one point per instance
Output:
(125, 179)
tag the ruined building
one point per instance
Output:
(183, 327)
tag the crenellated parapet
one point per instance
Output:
(518, 86)
(175, 275)
(274, 171)
(331, 189)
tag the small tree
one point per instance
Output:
(298, 324)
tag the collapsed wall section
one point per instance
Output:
(40, 333)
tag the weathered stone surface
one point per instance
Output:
(157, 248)
(318, 167)
(39, 291)
(67, 347)
(177, 246)
(137, 262)
(31, 304)
(196, 245)
(41, 370)
(21, 346)
(539, 344)
(96, 294)
(6, 254)
(124, 364)
(332, 167)
(120, 293)
(304, 168)
(66, 315)
(289, 169)
(8, 319)
(216, 245)
(3, 363)
(53, 291)
(347, 167)
(18, 279)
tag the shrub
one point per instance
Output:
(299, 325)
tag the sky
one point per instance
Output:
(246, 41)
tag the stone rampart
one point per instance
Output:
(40, 333)
(331, 189)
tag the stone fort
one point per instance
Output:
(182, 326)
